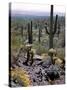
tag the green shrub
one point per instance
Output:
(41, 49)
(61, 53)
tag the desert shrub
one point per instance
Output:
(61, 53)
(20, 76)
(16, 41)
(40, 49)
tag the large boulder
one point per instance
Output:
(52, 73)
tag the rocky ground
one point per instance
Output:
(41, 72)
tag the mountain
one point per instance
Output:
(33, 13)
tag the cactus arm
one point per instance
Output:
(51, 20)
(55, 26)
(58, 28)
(46, 30)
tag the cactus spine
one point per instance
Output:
(52, 32)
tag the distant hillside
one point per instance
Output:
(33, 13)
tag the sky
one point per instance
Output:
(33, 9)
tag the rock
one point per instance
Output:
(37, 57)
(46, 63)
(54, 67)
(61, 80)
(45, 56)
(59, 62)
(52, 73)
(42, 71)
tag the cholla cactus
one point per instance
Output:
(52, 52)
(30, 55)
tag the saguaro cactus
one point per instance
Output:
(51, 32)
(30, 32)
(22, 31)
(29, 52)
(39, 36)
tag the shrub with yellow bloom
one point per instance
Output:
(22, 75)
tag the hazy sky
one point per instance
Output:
(36, 7)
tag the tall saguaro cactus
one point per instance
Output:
(29, 52)
(52, 31)
(30, 32)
